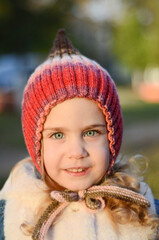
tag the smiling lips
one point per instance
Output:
(80, 171)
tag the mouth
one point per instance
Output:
(80, 171)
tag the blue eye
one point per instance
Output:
(90, 133)
(58, 135)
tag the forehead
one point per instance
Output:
(75, 111)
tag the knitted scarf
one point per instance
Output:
(93, 198)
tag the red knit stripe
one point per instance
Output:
(82, 78)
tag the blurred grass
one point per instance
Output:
(134, 111)
(152, 175)
(11, 131)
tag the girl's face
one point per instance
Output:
(76, 153)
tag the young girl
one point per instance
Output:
(72, 187)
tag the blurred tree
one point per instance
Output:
(30, 25)
(136, 35)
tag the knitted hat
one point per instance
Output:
(64, 75)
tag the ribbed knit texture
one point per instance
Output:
(64, 75)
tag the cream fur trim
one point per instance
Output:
(23, 194)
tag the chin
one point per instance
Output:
(79, 187)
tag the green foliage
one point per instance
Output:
(136, 36)
(130, 45)
(26, 28)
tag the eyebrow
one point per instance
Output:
(64, 129)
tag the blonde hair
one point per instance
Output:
(120, 211)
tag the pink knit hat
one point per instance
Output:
(64, 75)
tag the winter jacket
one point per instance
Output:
(24, 193)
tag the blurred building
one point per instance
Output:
(14, 72)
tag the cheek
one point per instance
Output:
(103, 156)
(49, 154)
(47, 150)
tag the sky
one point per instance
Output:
(102, 10)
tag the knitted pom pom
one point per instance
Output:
(62, 45)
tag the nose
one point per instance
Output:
(77, 149)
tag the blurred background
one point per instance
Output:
(122, 35)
